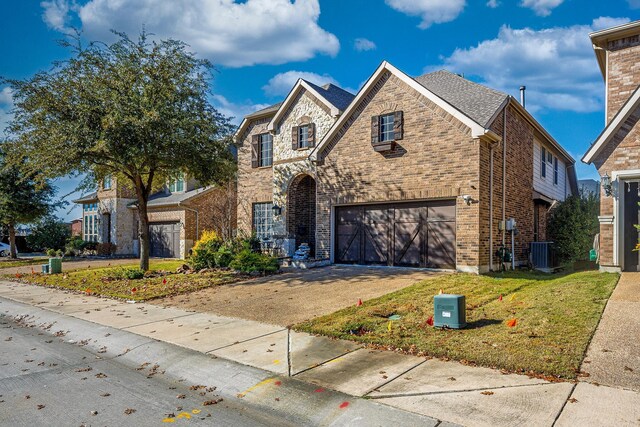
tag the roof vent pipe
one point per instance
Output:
(522, 90)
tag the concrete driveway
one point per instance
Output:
(298, 295)
(613, 357)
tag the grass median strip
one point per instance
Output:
(556, 318)
(9, 263)
(160, 281)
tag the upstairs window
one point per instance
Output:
(261, 150)
(266, 150)
(303, 136)
(176, 185)
(106, 182)
(386, 128)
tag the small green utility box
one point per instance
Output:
(449, 311)
(55, 265)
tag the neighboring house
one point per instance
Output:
(177, 216)
(76, 227)
(616, 152)
(589, 186)
(408, 172)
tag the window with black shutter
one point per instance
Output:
(386, 129)
(261, 150)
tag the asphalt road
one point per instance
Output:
(47, 381)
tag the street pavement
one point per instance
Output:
(250, 353)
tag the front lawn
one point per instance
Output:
(160, 281)
(556, 316)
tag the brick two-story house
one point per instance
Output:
(616, 152)
(177, 216)
(419, 172)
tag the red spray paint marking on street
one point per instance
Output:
(278, 383)
(319, 390)
(344, 405)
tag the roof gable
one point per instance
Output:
(623, 116)
(263, 113)
(335, 98)
(476, 129)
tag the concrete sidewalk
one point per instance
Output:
(446, 391)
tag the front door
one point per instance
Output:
(630, 233)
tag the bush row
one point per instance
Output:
(241, 254)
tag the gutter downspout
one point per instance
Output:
(187, 208)
(491, 207)
(504, 173)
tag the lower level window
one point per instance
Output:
(91, 225)
(263, 220)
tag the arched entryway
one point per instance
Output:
(301, 213)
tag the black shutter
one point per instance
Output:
(294, 138)
(543, 163)
(398, 125)
(312, 134)
(375, 129)
(255, 151)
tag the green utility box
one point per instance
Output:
(55, 265)
(449, 311)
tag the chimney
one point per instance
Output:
(522, 100)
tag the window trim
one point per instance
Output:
(305, 127)
(107, 178)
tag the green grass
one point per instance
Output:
(160, 281)
(8, 262)
(556, 318)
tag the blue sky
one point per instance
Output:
(260, 47)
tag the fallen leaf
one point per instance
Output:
(129, 411)
(626, 368)
(181, 396)
(211, 402)
(572, 400)
(40, 407)
(486, 393)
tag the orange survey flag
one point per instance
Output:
(512, 322)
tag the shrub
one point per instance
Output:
(59, 253)
(89, 246)
(130, 273)
(248, 261)
(51, 253)
(573, 225)
(205, 250)
(106, 249)
(224, 256)
(75, 243)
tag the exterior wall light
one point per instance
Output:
(277, 210)
(606, 184)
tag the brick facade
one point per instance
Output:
(622, 153)
(436, 159)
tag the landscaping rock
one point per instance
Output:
(183, 269)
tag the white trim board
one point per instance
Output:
(611, 129)
(618, 213)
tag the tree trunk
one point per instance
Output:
(143, 233)
(12, 242)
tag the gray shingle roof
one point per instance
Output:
(337, 96)
(87, 198)
(163, 198)
(476, 101)
(270, 109)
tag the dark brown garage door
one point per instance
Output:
(165, 239)
(421, 234)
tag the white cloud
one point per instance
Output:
(363, 45)
(56, 14)
(493, 4)
(235, 110)
(556, 64)
(227, 32)
(608, 22)
(431, 11)
(281, 84)
(541, 7)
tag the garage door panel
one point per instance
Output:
(376, 243)
(441, 249)
(442, 212)
(409, 213)
(164, 239)
(348, 243)
(407, 244)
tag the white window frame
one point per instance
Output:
(265, 146)
(386, 132)
(303, 136)
(262, 220)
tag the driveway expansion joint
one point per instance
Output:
(470, 390)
